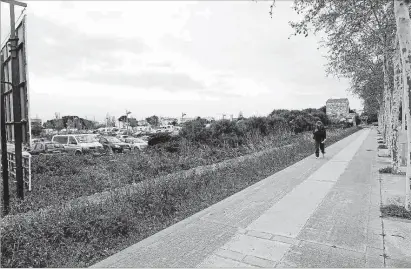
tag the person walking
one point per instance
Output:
(319, 135)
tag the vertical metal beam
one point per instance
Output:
(4, 162)
(15, 80)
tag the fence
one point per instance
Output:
(11, 157)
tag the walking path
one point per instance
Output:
(315, 213)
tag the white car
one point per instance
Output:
(136, 143)
(79, 144)
(122, 137)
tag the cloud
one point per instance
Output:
(60, 50)
(148, 80)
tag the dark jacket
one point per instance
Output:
(319, 134)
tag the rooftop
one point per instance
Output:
(339, 100)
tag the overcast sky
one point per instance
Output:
(203, 58)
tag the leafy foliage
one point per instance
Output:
(153, 120)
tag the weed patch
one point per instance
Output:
(385, 170)
(395, 211)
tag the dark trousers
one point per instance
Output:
(319, 146)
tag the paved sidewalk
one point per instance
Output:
(315, 213)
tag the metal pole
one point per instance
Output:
(16, 105)
(4, 162)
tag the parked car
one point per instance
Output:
(79, 143)
(136, 143)
(114, 144)
(122, 137)
(144, 138)
(39, 148)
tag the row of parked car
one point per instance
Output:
(79, 144)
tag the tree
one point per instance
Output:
(403, 23)
(36, 129)
(69, 124)
(58, 124)
(368, 29)
(123, 118)
(153, 120)
(133, 122)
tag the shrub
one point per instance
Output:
(395, 211)
(386, 170)
(160, 138)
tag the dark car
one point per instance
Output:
(46, 148)
(114, 144)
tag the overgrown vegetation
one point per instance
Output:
(395, 211)
(386, 170)
(91, 228)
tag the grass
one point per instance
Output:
(90, 228)
(58, 179)
(388, 170)
(395, 211)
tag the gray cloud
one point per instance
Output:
(69, 48)
(168, 81)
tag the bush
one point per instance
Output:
(395, 211)
(88, 229)
(160, 138)
(386, 170)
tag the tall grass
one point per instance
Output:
(87, 229)
(60, 178)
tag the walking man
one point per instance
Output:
(319, 136)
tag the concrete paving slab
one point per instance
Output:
(307, 255)
(289, 215)
(342, 258)
(393, 263)
(259, 234)
(284, 239)
(398, 239)
(393, 188)
(374, 258)
(374, 239)
(193, 244)
(330, 171)
(261, 248)
(249, 259)
(215, 261)
(229, 254)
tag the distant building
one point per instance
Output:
(184, 120)
(167, 121)
(337, 109)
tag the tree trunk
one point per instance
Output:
(387, 99)
(381, 119)
(402, 18)
(395, 111)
